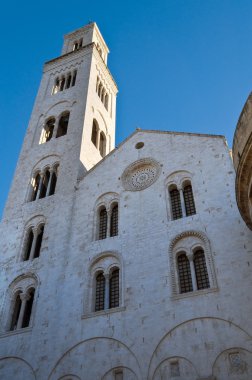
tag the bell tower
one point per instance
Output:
(72, 126)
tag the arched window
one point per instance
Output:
(21, 301)
(28, 299)
(22, 309)
(191, 263)
(184, 274)
(201, 270)
(103, 223)
(175, 204)
(28, 245)
(54, 175)
(100, 292)
(102, 147)
(35, 186)
(15, 311)
(48, 130)
(107, 290)
(44, 184)
(94, 135)
(39, 238)
(114, 221)
(114, 288)
(189, 200)
(33, 241)
(63, 124)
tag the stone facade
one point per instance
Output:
(242, 153)
(136, 266)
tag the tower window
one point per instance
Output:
(28, 246)
(94, 133)
(48, 130)
(44, 183)
(103, 95)
(33, 241)
(35, 187)
(74, 78)
(69, 80)
(66, 81)
(22, 310)
(63, 124)
(28, 308)
(102, 147)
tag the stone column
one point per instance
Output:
(182, 202)
(98, 138)
(24, 298)
(194, 281)
(51, 170)
(55, 127)
(106, 301)
(40, 185)
(108, 222)
(35, 235)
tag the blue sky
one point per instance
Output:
(179, 65)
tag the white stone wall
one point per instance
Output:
(151, 328)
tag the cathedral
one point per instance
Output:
(126, 263)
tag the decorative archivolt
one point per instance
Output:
(188, 242)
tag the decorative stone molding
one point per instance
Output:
(201, 241)
(140, 174)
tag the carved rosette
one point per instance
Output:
(140, 174)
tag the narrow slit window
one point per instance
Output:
(16, 312)
(94, 133)
(189, 200)
(114, 289)
(44, 185)
(53, 182)
(28, 247)
(201, 270)
(28, 309)
(69, 80)
(39, 242)
(175, 204)
(62, 83)
(35, 187)
(114, 221)
(184, 273)
(102, 147)
(48, 129)
(74, 78)
(103, 224)
(100, 292)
